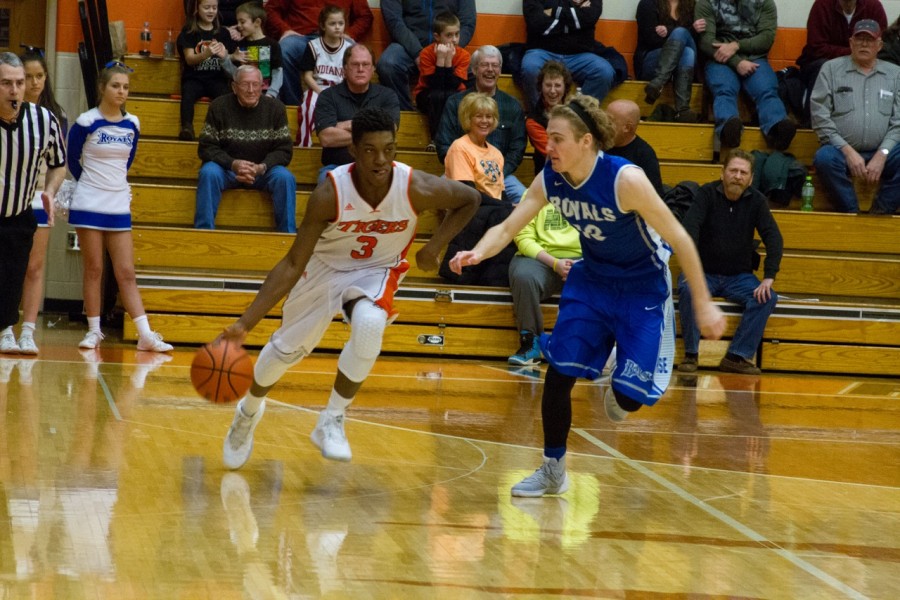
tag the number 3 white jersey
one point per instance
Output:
(362, 236)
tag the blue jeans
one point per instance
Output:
(593, 74)
(292, 49)
(737, 289)
(278, 181)
(396, 70)
(831, 168)
(688, 55)
(725, 85)
(515, 189)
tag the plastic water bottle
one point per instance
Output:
(169, 46)
(145, 39)
(806, 195)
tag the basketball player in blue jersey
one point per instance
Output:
(349, 256)
(620, 293)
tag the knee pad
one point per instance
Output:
(367, 323)
(272, 363)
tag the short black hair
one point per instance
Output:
(371, 120)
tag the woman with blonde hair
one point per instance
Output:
(101, 147)
(471, 158)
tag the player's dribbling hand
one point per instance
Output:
(464, 258)
(233, 333)
(710, 321)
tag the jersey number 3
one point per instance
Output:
(368, 247)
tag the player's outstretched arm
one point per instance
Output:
(499, 236)
(636, 193)
(320, 211)
(428, 192)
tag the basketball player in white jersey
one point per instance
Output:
(349, 256)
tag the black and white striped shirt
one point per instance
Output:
(35, 136)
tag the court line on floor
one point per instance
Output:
(724, 518)
(109, 398)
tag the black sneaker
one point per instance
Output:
(730, 136)
(688, 364)
(186, 134)
(741, 365)
(781, 135)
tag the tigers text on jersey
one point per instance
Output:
(362, 236)
(614, 243)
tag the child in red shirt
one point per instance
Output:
(443, 71)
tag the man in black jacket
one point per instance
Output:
(722, 222)
(563, 30)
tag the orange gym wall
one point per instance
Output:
(165, 14)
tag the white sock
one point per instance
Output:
(8, 330)
(93, 323)
(250, 404)
(28, 329)
(143, 326)
(337, 404)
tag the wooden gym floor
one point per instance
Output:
(111, 486)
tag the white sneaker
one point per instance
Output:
(91, 340)
(239, 441)
(153, 343)
(25, 366)
(329, 437)
(550, 478)
(8, 344)
(614, 412)
(6, 368)
(235, 493)
(27, 345)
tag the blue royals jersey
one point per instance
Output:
(613, 243)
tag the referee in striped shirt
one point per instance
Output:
(29, 134)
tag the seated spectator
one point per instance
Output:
(204, 47)
(828, 29)
(555, 84)
(471, 158)
(563, 30)
(890, 51)
(737, 42)
(295, 22)
(227, 16)
(338, 104)
(626, 115)
(856, 143)
(722, 221)
(258, 49)
(410, 25)
(508, 137)
(548, 247)
(443, 71)
(246, 142)
(322, 66)
(667, 49)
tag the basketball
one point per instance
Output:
(222, 371)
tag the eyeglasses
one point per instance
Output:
(32, 50)
(118, 63)
(865, 40)
(248, 85)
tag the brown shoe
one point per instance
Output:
(741, 365)
(688, 364)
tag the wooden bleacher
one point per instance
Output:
(840, 308)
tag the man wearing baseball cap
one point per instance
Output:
(855, 109)
(828, 30)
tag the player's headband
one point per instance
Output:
(586, 118)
